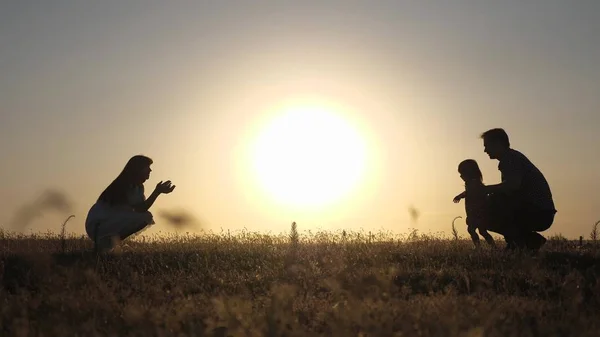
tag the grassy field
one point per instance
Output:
(322, 284)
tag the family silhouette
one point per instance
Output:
(518, 208)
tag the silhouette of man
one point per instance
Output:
(522, 203)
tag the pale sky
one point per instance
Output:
(85, 86)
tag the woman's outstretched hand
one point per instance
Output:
(165, 187)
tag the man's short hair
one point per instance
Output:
(496, 135)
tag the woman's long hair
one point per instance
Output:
(116, 192)
(470, 169)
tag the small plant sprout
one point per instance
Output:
(454, 231)
(63, 233)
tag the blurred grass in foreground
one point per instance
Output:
(324, 283)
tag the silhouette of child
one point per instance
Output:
(476, 201)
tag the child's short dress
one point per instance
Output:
(476, 205)
(105, 221)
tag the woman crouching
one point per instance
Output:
(122, 209)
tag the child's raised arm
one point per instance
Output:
(460, 196)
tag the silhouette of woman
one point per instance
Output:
(122, 209)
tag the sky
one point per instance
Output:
(86, 85)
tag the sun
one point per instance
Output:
(308, 156)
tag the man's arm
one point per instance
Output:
(513, 176)
(493, 188)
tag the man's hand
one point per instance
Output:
(165, 187)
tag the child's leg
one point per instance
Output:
(474, 236)
(488, 238)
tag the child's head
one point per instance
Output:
(469, 170)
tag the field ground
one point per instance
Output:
(326, 284)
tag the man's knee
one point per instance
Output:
(544, 220)
(534, 219)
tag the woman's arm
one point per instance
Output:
(161, 187)
(146, 204)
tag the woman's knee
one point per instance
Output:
(131, 229)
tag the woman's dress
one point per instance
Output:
(105, 222)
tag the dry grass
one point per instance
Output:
(325, 284)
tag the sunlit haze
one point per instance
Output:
(336, 115)
(307, 157)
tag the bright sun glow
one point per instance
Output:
(308, 156)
